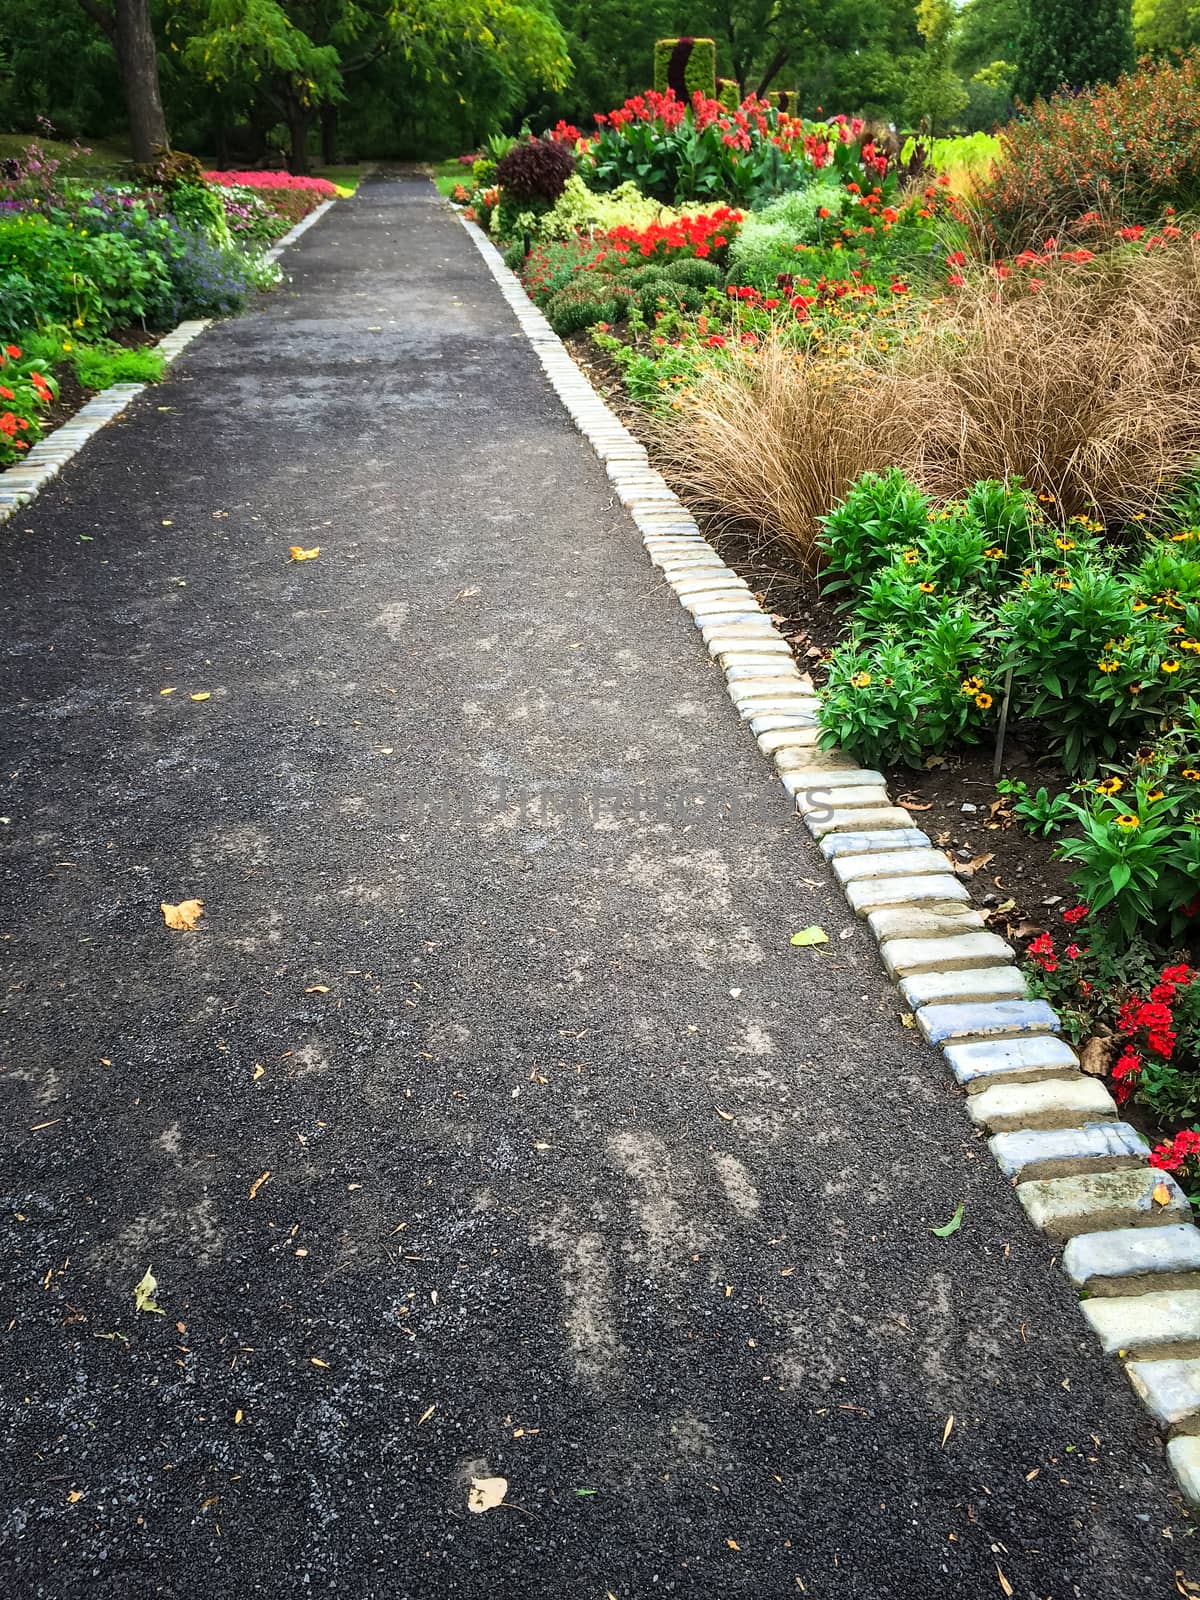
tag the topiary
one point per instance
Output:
(536, 170)
(686, 67)
(690, 269)
(728, 93)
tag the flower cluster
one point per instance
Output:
(24, 392)
(274, 180)
(699, 236)
(1148, 1028)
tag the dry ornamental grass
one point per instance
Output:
(1083, 380)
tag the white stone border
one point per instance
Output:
(1080, 1174)
(19, 484)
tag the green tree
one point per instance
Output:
(1071, 44)
(936, 94)
(1160, 26)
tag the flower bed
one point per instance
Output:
(88, 274)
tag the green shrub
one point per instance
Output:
(1138, 858)
(902, 700)
(678, 296)
(690, 269)
(881, 513)
(579, 305)
(579, 209)
(765, 246)
(1090, 658)
(728, 93)
(686, 67)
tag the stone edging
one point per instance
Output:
(1080, 1173)
(19, 484)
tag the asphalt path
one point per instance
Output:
(488, 1124)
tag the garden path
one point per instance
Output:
(488, 1123)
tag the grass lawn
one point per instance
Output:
(103, 158)
(345, 177)
(448, 173)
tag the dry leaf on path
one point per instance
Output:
(1097, 1055)
(811, 936)
(317, 988)
(947, 1429)
(298, 554)
(143, 1295)
(1160, 1194)
(485, 1494)
(183, 917)
(258, 1183)
(1004, 1583)
(725, 1116)
(204, 694)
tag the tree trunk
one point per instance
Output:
(329, 130)
(138, 60)
(299, 120)
(127, 24)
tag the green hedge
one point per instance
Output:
(728, 93)
(785, 100)
(688, 66)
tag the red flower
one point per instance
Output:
(1076, 914)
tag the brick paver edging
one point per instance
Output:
(1124, 1229)
(19, 484)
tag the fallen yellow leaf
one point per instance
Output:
(485, 1494)
(203, 695)
(259, 1069)
(1160, 1194)
(947, 1428)
(75, 1494)
(1004, 1583)
(144, 1292)
(184, 916)
(425, 1415)
(317, 1362)
(733, 1544)
(317, 988)
(725, 1116)
(237, 1416)
(167, 691)
(258, 1183)
(297, 554)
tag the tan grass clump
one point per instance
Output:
(769, 445)
(1087, 388)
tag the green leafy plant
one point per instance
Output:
(99, 366)
(1041, 814)
(882, 512)
(1137, 857)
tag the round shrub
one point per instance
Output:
(690, 269)
(578, 306)
(680, 296)
(537, 170)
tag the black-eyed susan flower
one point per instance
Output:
(1191, 774)
(995, 553)
(1169, 666)
(927, 588)
(861, 680)
(1107, 664)
(983, 701)
(1110, 786)
(1154, 795)
(1129, 821)
(1062, 543)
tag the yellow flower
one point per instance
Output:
(1064, 544)
(911, 557)
(983, 701)
(927, 588)
(1063, 583)
(1139, 605)
(78, 323)
(66, 346)
(1170, 666)
(860, 680)
(1110, 786)
(1191, 774)
(995, 553)
(1129, 821)
(1107, 664)
(1155, 794)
